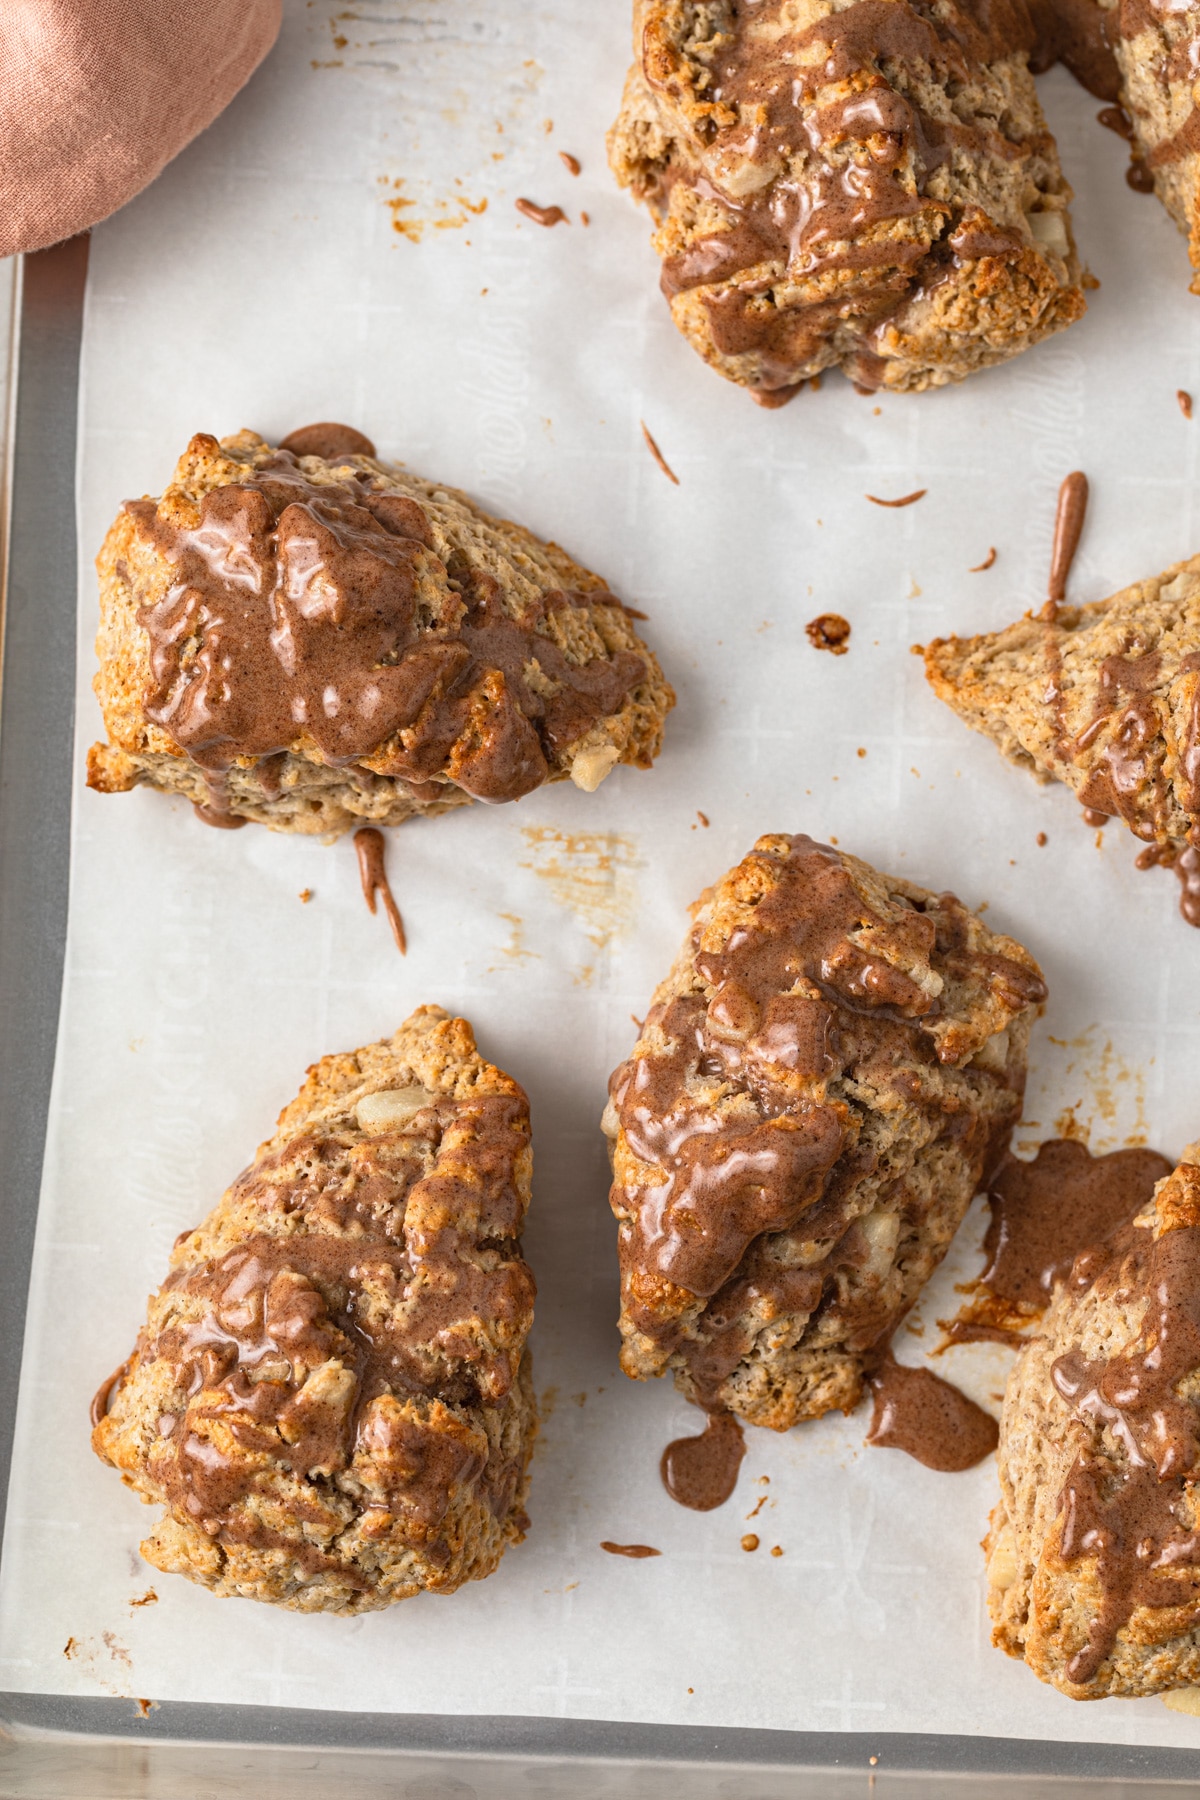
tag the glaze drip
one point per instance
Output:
(701, 1472)
(1043, 1214)
(932, 1421)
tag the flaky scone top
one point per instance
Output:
(1105, 698)
(317, 643)
(331, 1394)
(867, 186)
(1094, 1549)
(833, 1061)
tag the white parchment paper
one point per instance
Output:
(262, 281)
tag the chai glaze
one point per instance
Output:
(702, 1472)
(245, 1320)
(1068, 528)
(1133, 1520)
(1043, 1214)
(928, 1418)
(372, 872)
(320, 612)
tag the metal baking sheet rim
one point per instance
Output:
(73, 1740)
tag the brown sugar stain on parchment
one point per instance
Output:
(460, 91)
(1088, 1092)
(516, 950)
(106, 1660)
(418, 51)
(437, 215)
(590, 874)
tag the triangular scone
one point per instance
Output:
(1157, 49)
(322, 643)
(331, 1395)
(1105, 698)
(833, 1064)
(868, 187)
(1094, 1550)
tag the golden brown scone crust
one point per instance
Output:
(1105, 698)
(1156, 51)
(331, 1396)
(300, 788)
(966, 259)
(820, 1083)
(1043, 1605)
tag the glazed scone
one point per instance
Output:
(323, 643)
(331, 1394)
(1094, 1550)
(832, 1066)
(1104, 697)
(1144, 54)
(870, 187)
(1157, 48)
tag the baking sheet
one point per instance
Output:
(264, 281)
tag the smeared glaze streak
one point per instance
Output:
(904, 500)
(656, 453)
(372, 873)
(1068, 526)
(541, 215)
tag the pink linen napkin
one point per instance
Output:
(97, 95)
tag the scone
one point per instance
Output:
(832, 1066)
(869, 187)
(1157, 50)
(1105, 698)
(1073, 32)
(323, 643)
(331, 1395)
(1094, 1549)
